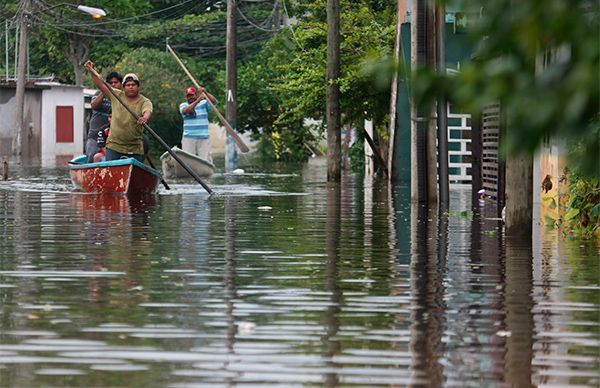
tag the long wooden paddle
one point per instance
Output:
(236, 138)
(155, 135)
(162, 180)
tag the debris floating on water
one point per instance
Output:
(264, 208)
(238, 171)
(246, 327)
(5, 169)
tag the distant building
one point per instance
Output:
(54, 117)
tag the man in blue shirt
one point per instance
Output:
(196, 139)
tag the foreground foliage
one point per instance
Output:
(540, 60)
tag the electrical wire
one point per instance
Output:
(109, 21)
(68, 25)
(269, 18)
(291, 28)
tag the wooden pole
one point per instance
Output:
(519, 194)
(20, 85)
(400, 6)
(420, 129)
(431, 128)
(231, 80)
(334, 147)
(442, 106)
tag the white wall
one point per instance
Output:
(7, 121)
(61, 95)
(7, 112)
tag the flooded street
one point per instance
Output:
(283, 280)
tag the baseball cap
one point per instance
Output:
(131, 76)
(190, 90)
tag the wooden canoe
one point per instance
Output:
(172, 169)
(115, 176)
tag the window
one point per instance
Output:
(64, 124)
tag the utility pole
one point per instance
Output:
(334, 147)
(442, 108)
(432, 160)
(231, 83)
(519, 197)
(420, 57)
(20, 85)
(400, 14)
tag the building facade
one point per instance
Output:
(53, 116)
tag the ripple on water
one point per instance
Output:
(59, 372)
(62, 274)
(191, 291)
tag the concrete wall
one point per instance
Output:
(7, 112)
(218, 139)
(31, 137)
(57, 154)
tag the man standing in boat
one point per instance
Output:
(125, 138)
(196, 139)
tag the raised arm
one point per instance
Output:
(91, 68)
(210, 96)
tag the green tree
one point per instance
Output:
(366, 34)
(540, 60)
(285, 83)
(62, 33)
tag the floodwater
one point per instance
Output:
(283, 280)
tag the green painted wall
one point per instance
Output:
(458, 50)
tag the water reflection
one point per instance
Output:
(229, 280)
(344, 285)
(427, 268)
(333, 222)
(94, 204)
(518, 304)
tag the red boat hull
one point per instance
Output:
(121, 177)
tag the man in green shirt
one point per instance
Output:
(125, 139)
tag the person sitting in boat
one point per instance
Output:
(125, 138)
(194, 111)
(100, 156)
(101, 109)
(103, 133)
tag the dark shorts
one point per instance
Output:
(114, 155)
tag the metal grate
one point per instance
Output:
(490, 161)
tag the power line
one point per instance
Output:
(270, 17)
(291, 28)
